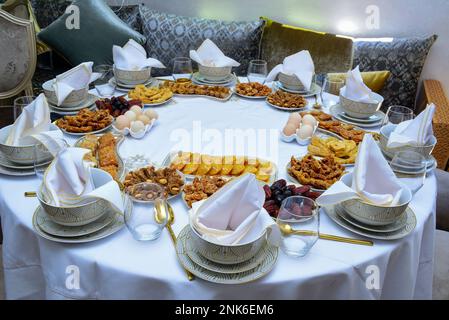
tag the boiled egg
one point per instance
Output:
(309, 120)
(131, 115)
(305, 132)
(150, 113)
(289, 129)
(137, 126)
(295, 119)
(122, 122)
(144, 119)
(136, 109)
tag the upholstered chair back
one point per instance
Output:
(18, 55)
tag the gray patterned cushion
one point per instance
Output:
(47, 11)
(169, 36)
(404, 58)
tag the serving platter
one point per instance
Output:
(171, 155)
(258, 272)
(249, 97)
(205, 96)
(80, 134)
(119, 140)
(287, 109)
(293, 179)
(410, 225)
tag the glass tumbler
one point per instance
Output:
(103, 85)
(330, 91)
(147, 219)
(257, 71)
(299, 222)
(398, 114)
(410, 167)
(182, 69)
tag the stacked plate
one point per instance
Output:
(374, 121)
(201, 80)
(122, 87)
(256, 267)
(99, 229)
(10, 168)
(396, 230)
(89, 103)
(314, 90)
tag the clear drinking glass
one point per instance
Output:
(257, 71)
(410, 167)
(182, 69)
(42, 156)
(20, 103)
(330, 91)
(103, 85)
(398, 114)
(299, 222)
(147, 220)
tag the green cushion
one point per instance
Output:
(100, 29)
(330, 53)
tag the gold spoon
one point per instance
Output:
(30, 194)
(160, 216)
(287, 230)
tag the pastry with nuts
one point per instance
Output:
(287, 100)
(170, 179)
(202, 188)
(252, 89)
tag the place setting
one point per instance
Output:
(31, 141)
(357, 104)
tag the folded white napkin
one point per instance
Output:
(300, 64)
(77, 78)
(133, 57)
(34, 123)
(373, 180)
(68, 181)
(234, 214)
(355, 88)
(416, 132)
(209, 55)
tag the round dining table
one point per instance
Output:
(119, 267)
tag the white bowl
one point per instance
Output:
(375, 215)
(83, 213)
(214, 73)
(132, 77)
(227, 254)
(361, 110)
(291, 82)
(385, 133)
(23, 155)
(74, 99)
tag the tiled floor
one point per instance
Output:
(440, 281)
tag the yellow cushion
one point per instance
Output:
(375, 80)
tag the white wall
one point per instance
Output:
(397, 18)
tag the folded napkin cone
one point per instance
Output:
(416, 132)
(209, 55)
(133, 57)
(235, 214)
(373, 181)
(300, 64)
(33, 124)
(75, 79)
(355, 88)
(69, 181)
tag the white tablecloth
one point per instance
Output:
(119, 267)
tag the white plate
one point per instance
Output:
(335, 111)
(110, 229)
(88, 103)
(128, 87)
(200, 260)
(71, 113)
(399, 224)
(315, 89)
(12, 165)
(205, 96)
(388, 236)
(287, 109)
(197, 77)
(86, 133)
(258, 272)
(54, 229)
(16, 173)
